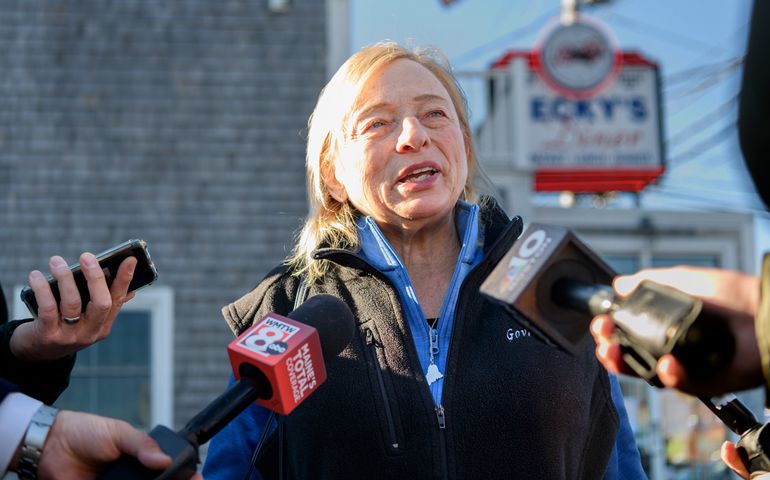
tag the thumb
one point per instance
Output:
(140, 445)
(733, 460)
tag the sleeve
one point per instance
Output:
(42, 380)
(3, 307)
(762, 324)
(16, 411)
(754, 100)
(230, 450)
(625, 462)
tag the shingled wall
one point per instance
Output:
(180, 122)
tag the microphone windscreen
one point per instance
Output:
(333, 320)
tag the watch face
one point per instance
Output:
(578, 59)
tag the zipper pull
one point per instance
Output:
(441, 417)
(369, 337)
(434, 342)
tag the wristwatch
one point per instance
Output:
(34, 439)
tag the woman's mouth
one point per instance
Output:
(418, 175)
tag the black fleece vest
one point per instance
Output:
(513, 407)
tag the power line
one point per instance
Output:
(676, 102)
(504, 40)
(674, 37)
(702, 122)
(698, 71)
(715, 78)
(710, 204)
(703, 146)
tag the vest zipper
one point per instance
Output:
(383, 391)
(441, 418)
(442, 440)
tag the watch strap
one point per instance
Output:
(34, 439)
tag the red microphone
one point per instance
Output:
(278, 362)
(287, 353)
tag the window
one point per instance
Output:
(128, 375)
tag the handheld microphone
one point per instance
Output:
(558, 284)
(278, 362)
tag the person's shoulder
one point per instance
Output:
(273, 293)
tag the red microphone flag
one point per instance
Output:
(288, 353)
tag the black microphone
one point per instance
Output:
(278, 362)
(558, 284)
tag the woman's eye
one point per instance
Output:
(436, 114)
(373, 126)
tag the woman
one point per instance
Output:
(430, 386)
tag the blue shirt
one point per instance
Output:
(229, 462)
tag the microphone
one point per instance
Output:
(278, 362)
(558, 284)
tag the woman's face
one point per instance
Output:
(403, 157)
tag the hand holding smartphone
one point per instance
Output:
(109, 260)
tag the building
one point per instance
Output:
(181, 123)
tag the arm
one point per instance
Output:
(80, 445)
(16, 412)
(38, 354)
(42, 380)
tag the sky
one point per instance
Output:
(698, 45)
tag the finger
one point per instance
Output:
(697, 281)
(119, 287)
(625, 284)
(69, 298)
(153, 457)
(733, 460)
(610, 356)
(101, 301)
(47, 309)
(137, 444)
(602, 326)
(670, 372)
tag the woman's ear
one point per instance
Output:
(333, 185)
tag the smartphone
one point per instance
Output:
(144, 273)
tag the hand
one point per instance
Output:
(732, 296)
(48, 337)
(81, 445)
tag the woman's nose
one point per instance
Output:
(413, 135)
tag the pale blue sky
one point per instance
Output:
(695, 42)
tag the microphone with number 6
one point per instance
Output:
(278, 362)
(558, 284)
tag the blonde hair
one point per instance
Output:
(331, 223)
